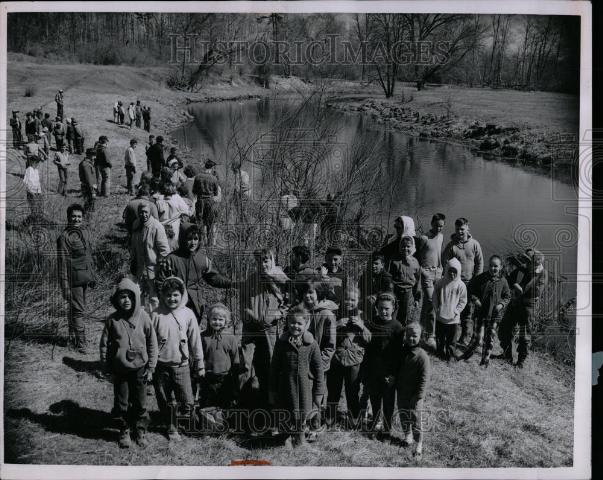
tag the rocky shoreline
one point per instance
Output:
(536, 148)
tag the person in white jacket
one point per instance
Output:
(131, 113)
(130, 165)
(33, 187)
(449, 300)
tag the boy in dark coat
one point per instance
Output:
(221, 356)
(128, 349)
(17, 128)
(490, 294)
(298, 272)
(155, 156)
(373, 281)
(297, 379)
(410, 374)
(386, 340)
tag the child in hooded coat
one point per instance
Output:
(449, 300)
(180, 353)
(128, 349)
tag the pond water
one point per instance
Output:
(509, 207)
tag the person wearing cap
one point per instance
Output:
(103, 166)
(58, 130)
(206, 187)
(17, 127)
(527, 283)
(58, 98)
(155, 156)
(78, 137)
(88, 179)
(61, 160)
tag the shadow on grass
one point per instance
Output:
(93, 367)
(68, 417)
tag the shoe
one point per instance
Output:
(485, 362)
(174, 436)
(124, 439)
(520, 364)
(431, 343)
(385, 438)
(311, 437)
(288, 443)
(408, 440)
(141, 439)
(418, 453)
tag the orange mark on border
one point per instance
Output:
(255, 463)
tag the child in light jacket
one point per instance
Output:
(449, 300)
(180, 353)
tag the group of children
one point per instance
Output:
(307, 333)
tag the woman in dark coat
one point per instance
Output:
(297, 378)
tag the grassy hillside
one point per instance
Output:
(57, 403)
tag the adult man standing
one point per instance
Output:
(88, 179)
(146, 118)
(527, 285)
(58, 98)
(78, 137)
(47, 123)
(138, 112)
(58, 131)
(206, 188)
(130, 165)
(149, 242)
(76, 272)
(155, 156)
(103, 166)
(32, 124)
(17, 128)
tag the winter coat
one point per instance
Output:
(450, 296)
(195, 270)
(352, 341)
(490, 291)
(406, 274)
(296, 376)
(87, 173)
(74, 254)
(468, 252)
(130, 214)
(156, 158)
(128, 342)
(178, 336)
(102, 159)
(148, 242)
(386, 340)
(322, 327)
(59, 130)
(411, 368)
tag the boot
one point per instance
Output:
(124, 439)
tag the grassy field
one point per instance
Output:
(57, 403)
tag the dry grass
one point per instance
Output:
(57, 404)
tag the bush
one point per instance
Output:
(30, 91)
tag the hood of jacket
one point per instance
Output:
(455, 238)
(307, 337)
(409, 226)
(183, 300)
(129, 285)
(456, 265)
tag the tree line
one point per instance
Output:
(497, 51)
